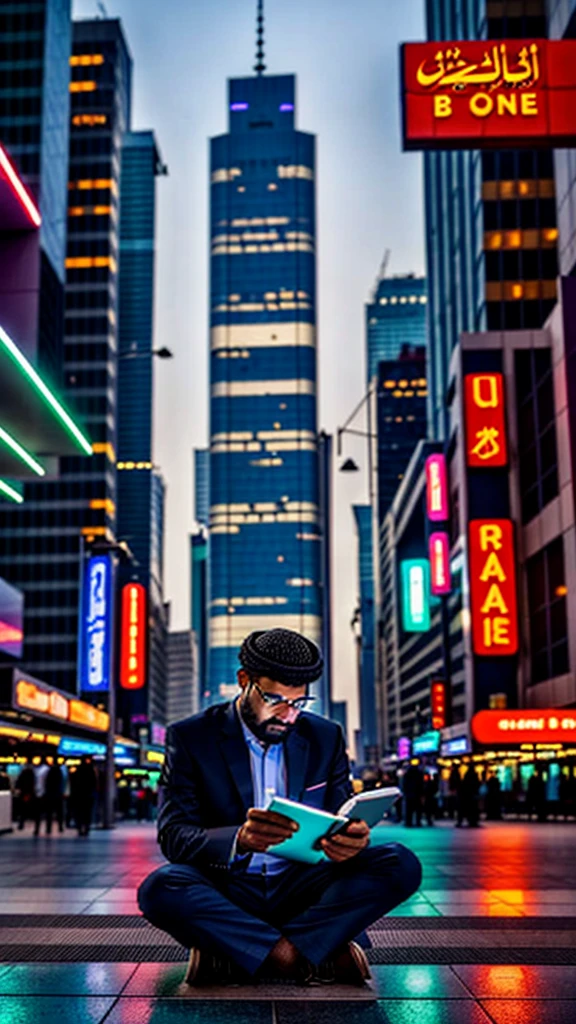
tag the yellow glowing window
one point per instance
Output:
(86, 60)
(397, 394)
(389, 383)
(106, 504)
(550, 234)
(93, 531)
(90, 263)
(513, 239)
(104, 448)
(507, 189)
(402, 383)
(523, 188)
(83, 211)
(86, 184)
(88, 120)
(516, 291)
(83, 86)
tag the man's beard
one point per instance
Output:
(262, 730)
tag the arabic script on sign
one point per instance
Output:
(497, 68)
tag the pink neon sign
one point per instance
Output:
(436, 488)
(439, 554)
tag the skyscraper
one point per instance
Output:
(35, 40)
(491, 233)
(140, 493)
(365, 637)
(199, 576)
(264, 528)
(395, 317)
(58, 514)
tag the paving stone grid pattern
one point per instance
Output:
(489, 939)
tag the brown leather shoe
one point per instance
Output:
(213, 969)
(347, 966)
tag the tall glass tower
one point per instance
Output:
(264, 515)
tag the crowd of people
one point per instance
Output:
(466, 793)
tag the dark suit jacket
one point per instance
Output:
(206, 786)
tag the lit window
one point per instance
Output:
(394, 300)
(423, 300)
(402, 383)
(413, 299)
(550, 234)
(86, 60)
(403, 299)
(272, 187)
(384, 302)
(241, 188)
(89, 120)
(83, 86)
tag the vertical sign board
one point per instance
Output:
(97, 624)
(439, 553)
(415, 594)
(485, 421)
(493, 586)
(133, 637)
(436, 488)
(438, 703)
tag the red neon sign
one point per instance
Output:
(485, 420)
(489, 94)
(493, 586)
(439, 554)
(7, 171)
(536, 725)
(438, 703)
(436, 488)
(133, 637)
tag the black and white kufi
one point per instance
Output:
(282, 655)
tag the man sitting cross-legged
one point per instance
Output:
(245, 913)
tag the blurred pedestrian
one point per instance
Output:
(54, 797)
(83, 785)
(493, 798)
(468, 802)
(454, 784)
(430, 796)
(412, 788)
(536, 796)
(40, 772)
(26, 795)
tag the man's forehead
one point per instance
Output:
(273, 686)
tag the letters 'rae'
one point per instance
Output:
(493, 597)
(485, 417)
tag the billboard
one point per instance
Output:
(489, 94)
(534, 725)
(485, 418)
(493, 586)
(133, 637)
(439, 554)
(96, 625)
(11, 620)
(436, 488)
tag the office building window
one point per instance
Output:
(537, 453)
(547, 610)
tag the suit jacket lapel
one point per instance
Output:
(296, 764)
(237, 756)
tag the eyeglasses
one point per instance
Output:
(274, 700)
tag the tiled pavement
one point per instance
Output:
(491, 937)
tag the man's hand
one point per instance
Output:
(347, 843)
(263, 829)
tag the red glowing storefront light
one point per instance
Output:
(493, 586)
(133, 637)
(439, 554)
(487, 94)
(536, 725)
(436, 488)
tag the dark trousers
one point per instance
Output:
(412, 806)
(318, 907)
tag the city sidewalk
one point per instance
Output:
(491, 937)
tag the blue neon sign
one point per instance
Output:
(96, 643)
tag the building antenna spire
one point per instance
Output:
(260, 66)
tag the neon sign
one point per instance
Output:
(415, 591)
(97, 624)
(439, 553)
(31, 695)
(493, 586)
(551, 725)
(438, 703)
(477, 94)
(485, 420)
(436, 488)
(133, 637)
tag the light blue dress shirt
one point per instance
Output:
(268, 767)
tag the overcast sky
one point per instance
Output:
(369, 195)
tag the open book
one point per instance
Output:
(316, 824)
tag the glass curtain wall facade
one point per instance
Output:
(395, 317)
(491, 235)
(366, 640)
(35, 41)
(139, 492)
(264, 516)
(59, 516)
